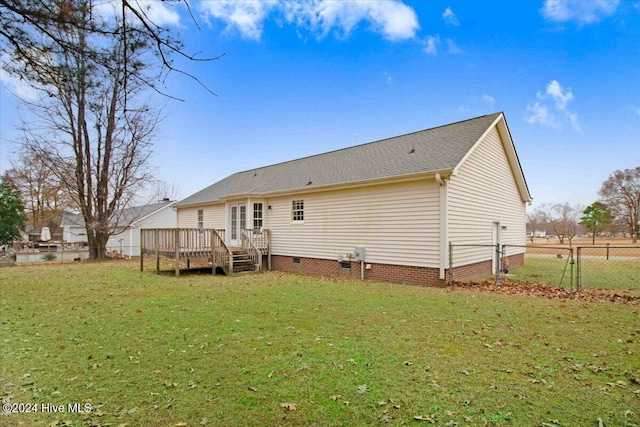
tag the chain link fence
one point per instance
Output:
(542, 264)
(553, 265)
(609, 267)
(571, 268)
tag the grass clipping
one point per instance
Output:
(529, 289)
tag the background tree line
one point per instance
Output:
(615, 213)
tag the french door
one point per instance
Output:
(237, 222)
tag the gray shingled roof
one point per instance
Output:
(436, 149)
(122, 217)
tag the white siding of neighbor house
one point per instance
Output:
(484, 192)
(396, 223)
(164, 218)
(213, 216)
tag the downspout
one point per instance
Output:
(444, 225)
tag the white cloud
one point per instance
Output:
(583, 11)
(561, 96)
(18, 87)
(477, 105)
(450, 18)
(540, 112)
(392, 19)
(573, 118)
(160, 13)
(431, 44)
(490, 100)
(453, 47)
(245, 16)
(388, 77)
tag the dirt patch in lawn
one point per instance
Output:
(512, 287)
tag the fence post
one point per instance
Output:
(450, 264)
(579, 271)
(571, 262)
(607, 251)
(498, 263)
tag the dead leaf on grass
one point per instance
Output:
(289, 406)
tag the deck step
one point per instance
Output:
(242, 262)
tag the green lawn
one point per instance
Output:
(277, 349)
(617, 275)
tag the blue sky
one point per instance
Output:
(302, 78)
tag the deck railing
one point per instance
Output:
(259, 237)
(222, 255)
(180, 243)
(249, 245)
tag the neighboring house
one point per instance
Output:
(73, 229)
(127, 224)
(402, 199)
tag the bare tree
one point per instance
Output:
(43, 193)
(563, 219)
(537, 221)
(27, 26)
(621, 192)
(164, 190)
(91, 131)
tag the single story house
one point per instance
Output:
(126, 224)
(385, 210)
(73, 228)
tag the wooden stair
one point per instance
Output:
(242, 262)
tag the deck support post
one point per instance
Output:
(156, 239)
(212, 236)
(177, 241)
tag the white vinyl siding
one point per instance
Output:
(213, 217)
(483, 192)
(396, 223)
(163, 218)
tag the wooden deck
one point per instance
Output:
(202, 243)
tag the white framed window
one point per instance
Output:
(200, 218)
(257, 216)
(297, 211)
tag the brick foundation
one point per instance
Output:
(483, 268)
(421, 276)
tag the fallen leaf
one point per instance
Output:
(289, 406)
(362, 389)
(428, 418)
